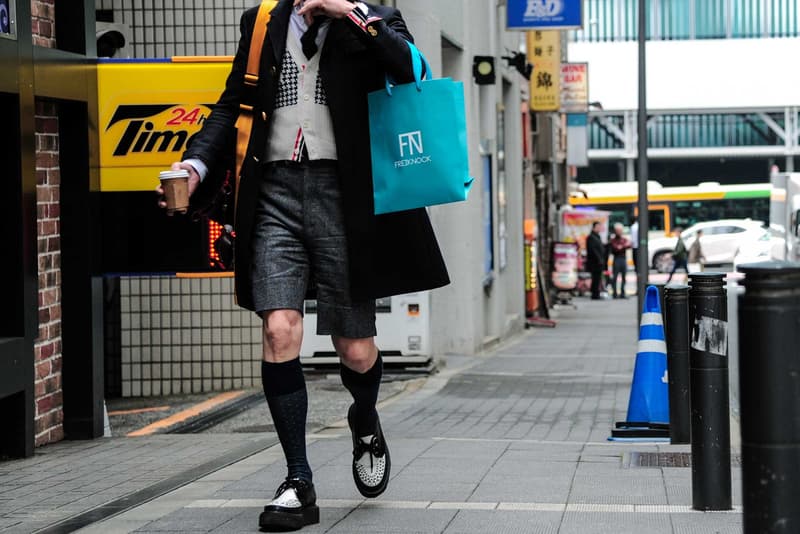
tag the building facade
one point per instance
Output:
(721, 96)
(79, 247)
(48, 382)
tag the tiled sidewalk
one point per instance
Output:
(72, 477)
(510, 442)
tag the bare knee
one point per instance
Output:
(357, 354)
(283, 333)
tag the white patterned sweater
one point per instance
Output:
(301, 117)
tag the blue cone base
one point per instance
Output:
(649, 400)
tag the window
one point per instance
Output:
(657, 220)
(688, 213)
(674, 19)
(616, 20)
(710, 19)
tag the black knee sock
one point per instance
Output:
(364, 389)
(285, 389)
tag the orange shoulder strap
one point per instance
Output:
(257, 40)
(244, 123)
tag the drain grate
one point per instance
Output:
(666, 459)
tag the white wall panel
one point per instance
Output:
(728, 73)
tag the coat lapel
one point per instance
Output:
(278, 27)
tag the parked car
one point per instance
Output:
(721, 242)
(769, 249)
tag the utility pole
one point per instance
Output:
(644, 214)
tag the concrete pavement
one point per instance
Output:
(514, 441)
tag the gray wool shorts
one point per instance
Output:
(298, 238)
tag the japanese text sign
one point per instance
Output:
(544, 53)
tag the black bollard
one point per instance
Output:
(710, 407)
(769, 349)
(677, 321)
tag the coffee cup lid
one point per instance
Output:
(169, 175)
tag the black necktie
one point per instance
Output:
(309, 39)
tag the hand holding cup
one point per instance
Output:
(176, 186)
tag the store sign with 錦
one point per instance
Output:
(544, 53)
(544, 14)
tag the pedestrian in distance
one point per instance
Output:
(696, 257)
(305, 219)
(635, 247)
(618, 246)
(679, 256)
(596, 259)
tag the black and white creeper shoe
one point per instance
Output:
(371, 461)
(294, 506)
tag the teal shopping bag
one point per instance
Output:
(418, 142)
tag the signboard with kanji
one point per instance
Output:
(544, 53)
(574, 87)
(544, 14)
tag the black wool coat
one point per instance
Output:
(596, 255)
(388, 254)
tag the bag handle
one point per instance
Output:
(417, 60)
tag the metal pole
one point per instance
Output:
(769, 335)
(677, 322)
(644, 215)
(708, 370)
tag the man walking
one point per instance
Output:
(305, 218)
(596, 258)
(679, 256)
(619, 250)
(696, 258)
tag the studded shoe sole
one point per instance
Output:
(369, 492)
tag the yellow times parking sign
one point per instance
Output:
(148, 113)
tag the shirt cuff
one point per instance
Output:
(360, 16)
(199, 167)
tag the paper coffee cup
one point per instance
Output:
(176, 190)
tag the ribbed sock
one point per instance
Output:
(285, 389)
(364, 388)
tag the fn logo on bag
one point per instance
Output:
(411, 146)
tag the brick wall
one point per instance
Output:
(43, 23)
(47, 350)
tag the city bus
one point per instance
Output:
(673, 207)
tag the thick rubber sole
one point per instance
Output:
(275, 521)
(363, 489)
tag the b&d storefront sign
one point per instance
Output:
(544, 14)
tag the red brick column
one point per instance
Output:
(47, 350)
